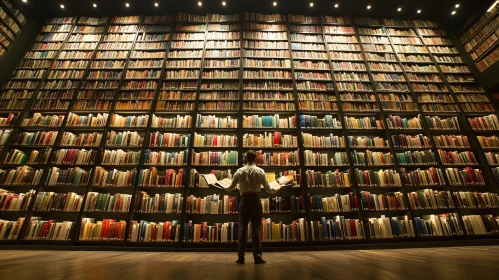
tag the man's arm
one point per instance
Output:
(234, 184)
(266, 185)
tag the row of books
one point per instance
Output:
(170, 203)
(380, 202)
(170, 178)
(15, 156)
(212, 204)
(337, 228)
(489, 122)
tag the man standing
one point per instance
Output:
(250, 178)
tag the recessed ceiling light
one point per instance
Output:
(311, 4)
(127, 5)
(25, 1)
(62, 6)
(453, 12)
(368, 7)
(200, 3)
(156, 4)
(275, 4)
(399, 9)
(336, 5)
(457, 5)
(419, 11)
(223, 3)
(95, 5)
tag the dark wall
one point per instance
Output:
(490, 77)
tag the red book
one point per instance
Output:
(168, 177)
(9, 119)
(205, 231)
(353, 228)
(302, 202)
(44, 230)
(165, 234)
(231, 204)
(470, 175)
(70, 155)
(179, 177)
(154, 234)
(295, 231)
(103, 230)
(167, 231)
(41, 139)
(9, 201)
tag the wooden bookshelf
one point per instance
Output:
(12, 20)
(480, 40)
(373, 105)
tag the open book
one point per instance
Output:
(212, 181)
(281, 182)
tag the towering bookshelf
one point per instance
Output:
(480, 41)
(12, 20)
(108, 124)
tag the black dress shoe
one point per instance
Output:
(240, 261)
(259, 261)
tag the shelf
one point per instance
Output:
(377, 188)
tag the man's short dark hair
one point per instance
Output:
(251, 156)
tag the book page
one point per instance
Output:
(283, 180)
(211, 179)
(274, 185)
(225, 183)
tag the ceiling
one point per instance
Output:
(439, 10)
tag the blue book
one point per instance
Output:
(324, 227)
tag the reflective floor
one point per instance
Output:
(429, 263)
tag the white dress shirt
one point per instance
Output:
(250, 179)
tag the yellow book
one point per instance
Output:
(346, 178)
(85, 232)
(270, 176)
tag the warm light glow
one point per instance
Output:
(127, 5)
(62, 6)
(419, 11)
(95, 5)
(369, 7)
(156, 4)
(25, 1)
(223, 3)
(275, 4)
(311, 4)
(399, 9)
(200, 3)
(336, 5)
(493, 5)
(457, 5)
(453, 12)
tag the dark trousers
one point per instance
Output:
(250, 209)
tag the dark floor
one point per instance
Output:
(433, 263)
